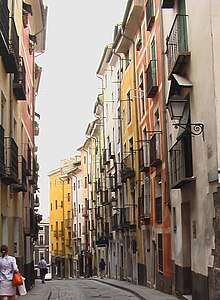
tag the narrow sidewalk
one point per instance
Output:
(142, 292)
(38, 292)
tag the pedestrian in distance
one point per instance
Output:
(43, 268)
(8, 267)
(102, 268)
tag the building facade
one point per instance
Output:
(23, 28)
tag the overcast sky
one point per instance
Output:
(77, 33)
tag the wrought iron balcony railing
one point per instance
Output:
(181, 168)
(21, 186)
(150, 15)
(11, 161)
(19, 84)
(11, 60)
(144, 161)
(4, 27)
(151, 76)
(127, 169)
(155, 151)
(177, 46)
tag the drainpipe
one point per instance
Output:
(120, 120)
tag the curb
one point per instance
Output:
(122, 288)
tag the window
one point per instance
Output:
(55, 204)
(41, 239)
(160, 252)
(68, 197)
(85, 182)
(84, 160)
(78, 184)
(159, 209)
(80, 229)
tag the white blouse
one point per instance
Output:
(7, 267)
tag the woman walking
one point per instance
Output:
(8, 267)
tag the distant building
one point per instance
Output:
(42, 246)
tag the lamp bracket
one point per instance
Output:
(192, 128)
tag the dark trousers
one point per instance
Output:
(42, 274)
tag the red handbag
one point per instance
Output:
(17, 279)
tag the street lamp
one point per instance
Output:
(178, 107)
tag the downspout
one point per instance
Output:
(120, 120)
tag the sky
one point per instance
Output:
(77, 33)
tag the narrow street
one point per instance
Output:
(86, 289)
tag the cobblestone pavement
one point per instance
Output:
(92, 288)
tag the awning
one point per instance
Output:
(177, 82)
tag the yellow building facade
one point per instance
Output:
(61, 223)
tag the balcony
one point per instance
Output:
(36, 128)
(74, 235)
(111, 151)
(98, 186)
(61, 233)
(68, 223)
(115, 222)
(155, 152)
(105, 196)
(11, 161)
(85, 212)
(4, 27)
(113, 181)
(151, 77)
(11, 60)
(181, 168)
(144, 163)
(56, 234)
(21, 186)
(177, 46)
(144, 209)
(19, 84)
(127, 170)
(150, 16)
(2, 152)
(167, 3)
(99, 212)
(34, 173)
(30, 222)
(28, 159)
(105, 157)
(36, 201)
(68, 243)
